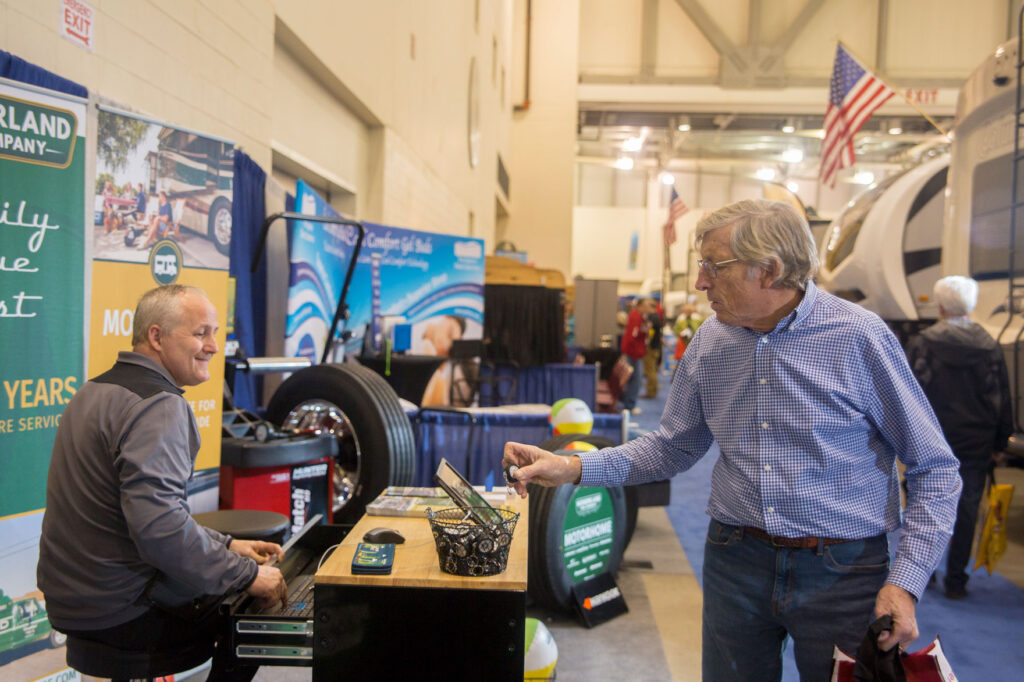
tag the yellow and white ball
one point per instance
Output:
(541, 652)
(571, 415)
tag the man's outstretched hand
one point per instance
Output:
(540, 467)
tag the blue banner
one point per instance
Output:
(432, 282)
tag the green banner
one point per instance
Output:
(588, 533)
(42, 262)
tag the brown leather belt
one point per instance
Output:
(794, 543)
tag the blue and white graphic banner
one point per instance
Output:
(432, 282)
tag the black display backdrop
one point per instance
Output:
(523, 324)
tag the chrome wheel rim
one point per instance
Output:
(318, 417)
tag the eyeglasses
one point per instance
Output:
(710, 268)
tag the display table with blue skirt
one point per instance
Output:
(473, 439)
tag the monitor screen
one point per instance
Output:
(466, 496)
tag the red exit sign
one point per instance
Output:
(76, 22)
(922, 96)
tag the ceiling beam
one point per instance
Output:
(649, 38)
(792, 31)
(882, 38)
(712, 31)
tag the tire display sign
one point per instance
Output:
(588, 533)
(42, 266)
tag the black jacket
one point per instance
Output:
(963, 373)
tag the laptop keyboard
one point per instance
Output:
(300, 600)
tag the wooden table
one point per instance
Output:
(419, 622)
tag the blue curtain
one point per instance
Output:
(248, 210)
(546, 384)
(18, 69)
(474, 443)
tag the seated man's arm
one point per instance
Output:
(153, 464)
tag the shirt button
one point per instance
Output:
(764, 339)
(770, 510)
(764, 425)
(767, 467)
(764, 381)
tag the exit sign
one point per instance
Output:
(76, 22)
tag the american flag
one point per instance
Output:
(854, 95)
(676, 210)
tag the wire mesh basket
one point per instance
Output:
(465, 547)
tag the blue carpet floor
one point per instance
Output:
(981, 635)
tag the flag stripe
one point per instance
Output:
(855, 93)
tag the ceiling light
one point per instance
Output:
(894, 127)
(767, 174)
(684, 124)
(864, 177)
(624, 163)
(789, 126)
(793, 155)
(633, 144)
(792, 186)
(667, 178)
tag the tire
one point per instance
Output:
(376, 443)
(559, 442)
(219, 224)
(550, 583)
(57, 639)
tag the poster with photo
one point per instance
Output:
(431, 282)
(156, 182)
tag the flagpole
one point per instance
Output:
(894, 89)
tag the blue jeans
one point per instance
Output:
(632, 388)
(755, 594)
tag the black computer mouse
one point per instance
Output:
(384, 536)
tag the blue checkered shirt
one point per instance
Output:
(810, 419)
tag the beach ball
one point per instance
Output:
(570, 415)
(541, 652)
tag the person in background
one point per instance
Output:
(963, 373)
(161, 224)
(652, 357)
(687, 322)
(140, 204)
(121, 561)
(634, 347)
(810, 402)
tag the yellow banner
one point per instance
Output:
(116, 288)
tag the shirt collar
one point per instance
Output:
(802, 310)
(132, 358)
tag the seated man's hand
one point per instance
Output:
(257, 550)
(540, 467)
(269, 587)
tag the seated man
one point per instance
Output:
(119, 554)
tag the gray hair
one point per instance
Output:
(956, 294)
(160, 306)
(767, 231)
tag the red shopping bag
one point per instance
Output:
(874, 665)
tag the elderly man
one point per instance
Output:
(963, 373)
(119, 554)
(810, 400)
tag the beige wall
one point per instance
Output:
(371, 97)
(405, 67)
(543, 140)
(176, 61)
